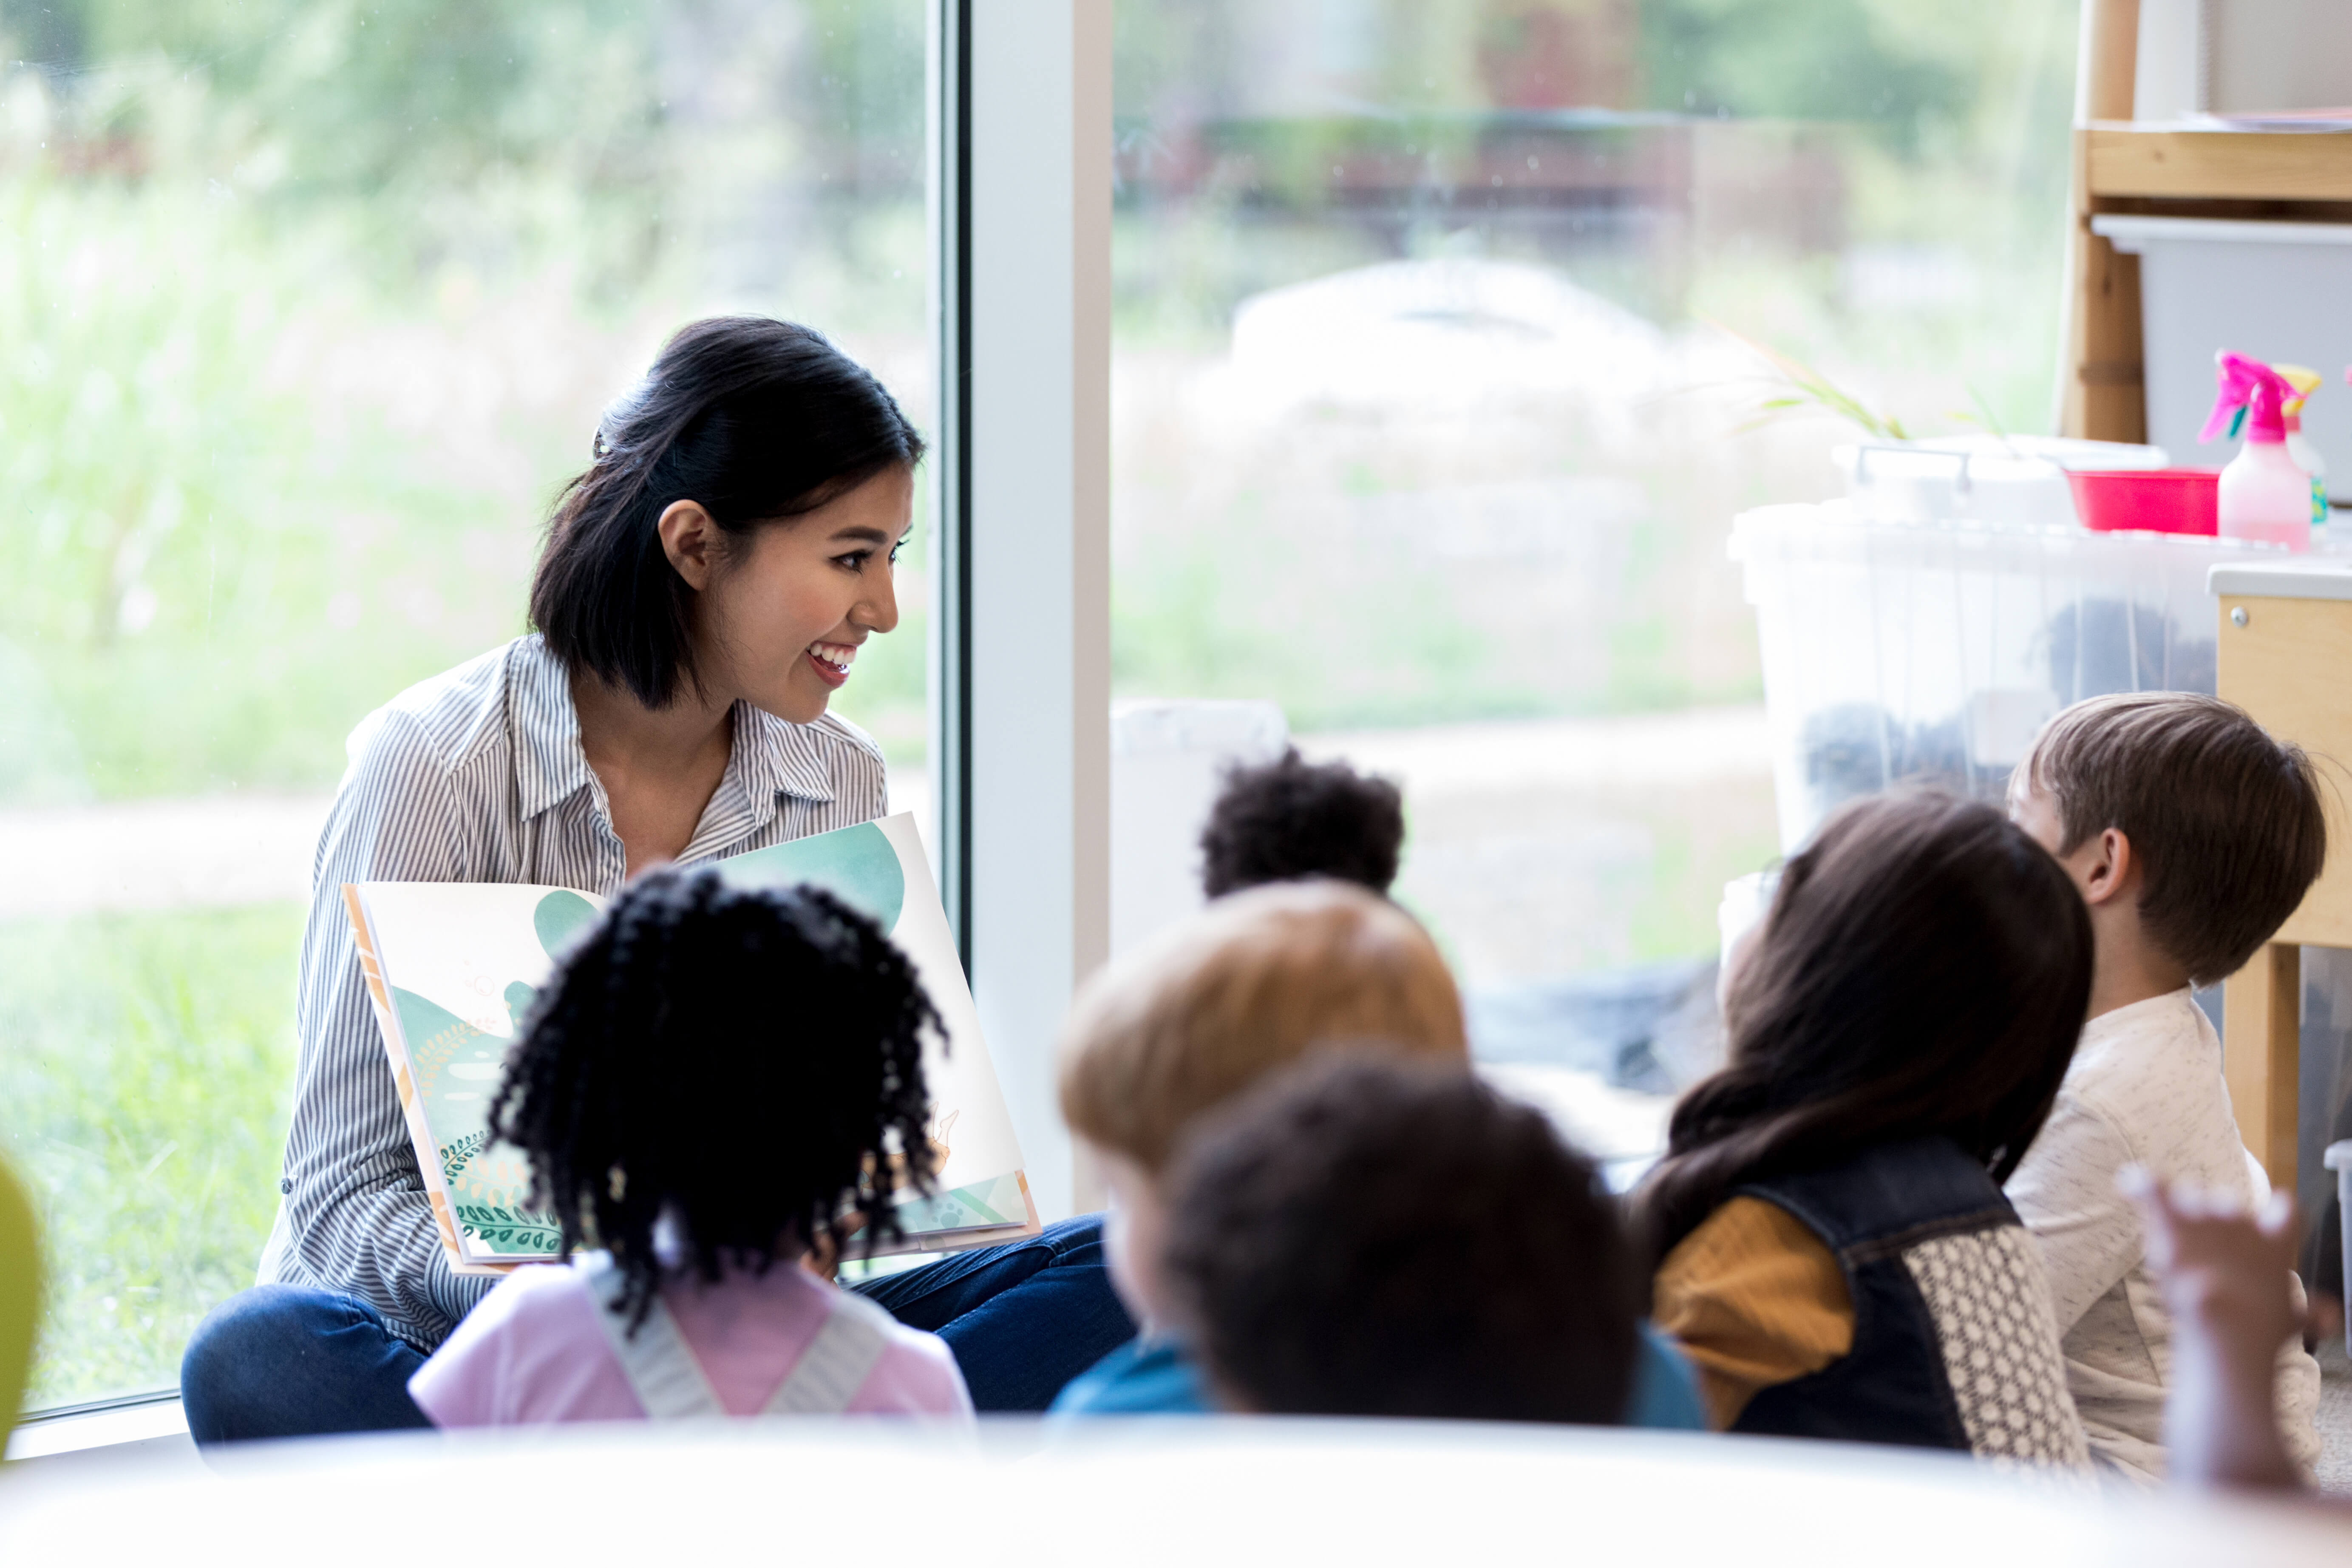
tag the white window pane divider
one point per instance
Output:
(1021, 686)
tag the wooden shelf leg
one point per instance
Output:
(2261, 1009)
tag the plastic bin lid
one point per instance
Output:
(1831, 531)
(2012, 451)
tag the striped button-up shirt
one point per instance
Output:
(478, 775)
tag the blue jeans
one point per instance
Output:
(292, 1361)
(288, 1361)
(1023, 1318)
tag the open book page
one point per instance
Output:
(454, 966)
(458, 963)
(464, 1122)
(879, 869)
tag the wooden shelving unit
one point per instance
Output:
(2123, 161)
(2272, 659)
(2123, 167)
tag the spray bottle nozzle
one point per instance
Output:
(2302, 381)
(2250, 385)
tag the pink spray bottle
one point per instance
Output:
(2264, 495)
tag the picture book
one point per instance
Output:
(453, 968)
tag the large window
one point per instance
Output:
(1433, 396)
(306, 310)
(1433, 409)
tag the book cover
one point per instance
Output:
(452, 967)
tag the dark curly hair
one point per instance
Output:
(1369, 1236)
(746, 1062)
(1924, 971)
(1290, 820)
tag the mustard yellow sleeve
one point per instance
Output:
(1755, 1300)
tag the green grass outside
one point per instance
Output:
(147, 1072)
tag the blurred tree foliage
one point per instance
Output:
(1927, 119)
(1898, 64)
(253, 259)
(564, 121)
(1887, 65)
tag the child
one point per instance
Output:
(1374, 1237)
(1176, 1030)
(2227, 1283)
(705, 1089)
(1831, 1241)
(2191, 835)
(1290, 820)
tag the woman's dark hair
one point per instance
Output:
(757, 420)
(744, 1062)
(1291, 818)
(1367, 1235)
(1926, 969)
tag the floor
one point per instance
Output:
(159, 1429)
(2335, 1419)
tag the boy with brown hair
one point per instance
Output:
(2192, 836)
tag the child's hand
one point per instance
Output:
(2218, 1265)
(2226, 1278)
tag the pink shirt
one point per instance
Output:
(534, 1352)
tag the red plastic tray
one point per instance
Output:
(2156, 500)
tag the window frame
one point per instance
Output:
(1021, 206)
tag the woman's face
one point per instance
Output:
(782, 623)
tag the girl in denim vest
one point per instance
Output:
(1831, 1241)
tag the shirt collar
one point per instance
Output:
(775, 757)
(768, 757)
(550, 765)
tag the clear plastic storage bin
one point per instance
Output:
(1934, 652)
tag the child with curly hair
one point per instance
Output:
(1290, 820)
(712, 1082)
(1372, 1236)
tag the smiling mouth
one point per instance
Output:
(833, 660)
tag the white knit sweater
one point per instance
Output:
(2145, 1088)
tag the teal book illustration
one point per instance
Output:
(453, 968)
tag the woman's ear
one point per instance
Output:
(690, 537)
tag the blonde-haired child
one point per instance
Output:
(1251, 984)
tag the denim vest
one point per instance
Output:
(1955, 1340)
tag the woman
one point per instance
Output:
(704, 591)
(1832, 1244)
